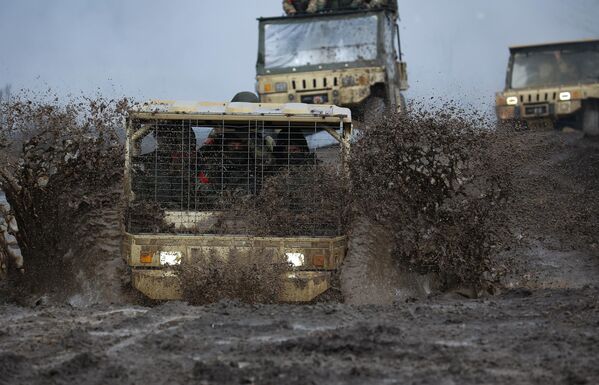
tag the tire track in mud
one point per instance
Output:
(520, 337)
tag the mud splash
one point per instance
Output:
(428, 180)
(61, 170)
(306, 201)
(251, 276)
(430, 193)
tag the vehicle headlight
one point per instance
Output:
(296, 259)
(170, 258)
(348, 81)
(565, 96)
(512, 100)
(281, 87)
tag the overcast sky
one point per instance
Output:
(206, 50)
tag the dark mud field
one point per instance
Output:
(545, 337)
(541, 328)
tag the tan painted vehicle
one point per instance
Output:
(553, 85)
(347, 58)
(189, 164)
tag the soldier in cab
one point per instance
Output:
(294, 7)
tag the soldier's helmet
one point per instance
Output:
(245, 97)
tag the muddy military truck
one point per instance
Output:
(552, 86)
(346, 57)
(192, 171)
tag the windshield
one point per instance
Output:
(555, 67)
(320, 42)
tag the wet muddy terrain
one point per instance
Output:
(522, 337)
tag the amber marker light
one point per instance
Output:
(146, 257)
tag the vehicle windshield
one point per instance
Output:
(298, 44)
(555, 67)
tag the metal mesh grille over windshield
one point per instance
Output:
(228, 177)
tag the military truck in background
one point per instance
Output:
(345, 57)
(552, 85)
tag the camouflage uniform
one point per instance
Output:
(381, 4)
(292, 7)
(360, 4)
(341, 4)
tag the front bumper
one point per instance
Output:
(321, 87)
(320, 257)
(529, 111)
(163, 285)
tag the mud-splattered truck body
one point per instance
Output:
(188, 164)
(346, 58)
(553, 85)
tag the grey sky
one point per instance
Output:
(206, 50)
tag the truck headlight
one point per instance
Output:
(170, 258)
(296, 259)
(565, 96)
(512, 101)
(281, 87)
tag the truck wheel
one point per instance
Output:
(590, 118)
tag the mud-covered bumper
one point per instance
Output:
(529, 111)
(320, 257)
(344, 87)
(163, 285)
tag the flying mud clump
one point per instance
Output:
(303, 201)
(249, 275)
(428, 179)
(61, 168)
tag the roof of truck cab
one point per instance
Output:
(352, 12)
(240, 111)
(553, 44)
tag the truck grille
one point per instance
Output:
(319, 83)
(232, 172)
(538, 97)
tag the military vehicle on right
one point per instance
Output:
(553, 85)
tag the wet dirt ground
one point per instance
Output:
(545, 330)
(522, 337)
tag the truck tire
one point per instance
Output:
(590, 118)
